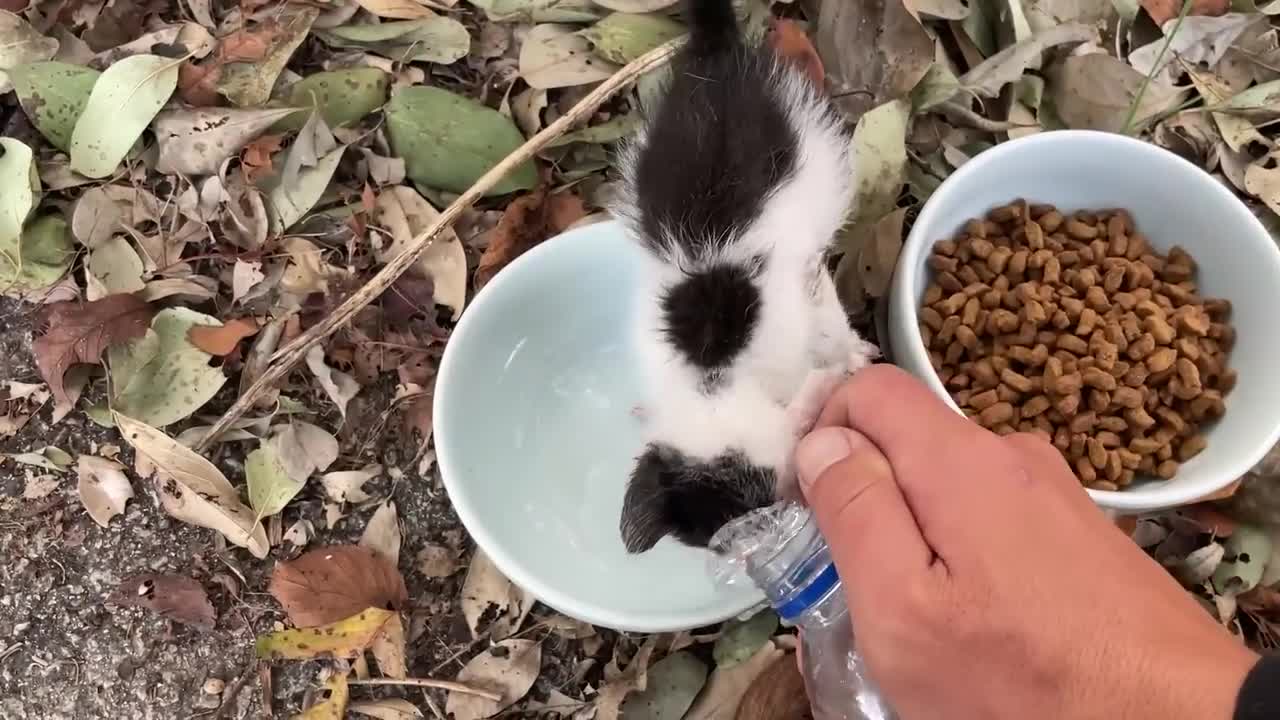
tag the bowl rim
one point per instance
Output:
(905, 292)
(450, 473)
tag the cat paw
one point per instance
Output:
(861, 355)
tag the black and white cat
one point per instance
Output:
(735, 187)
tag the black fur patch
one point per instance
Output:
(709, 317)
(718, 146)
(670, 494)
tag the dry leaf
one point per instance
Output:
(486, 588)
(255, 159)
(388, 649)
(727, 686)
(619, 684)
(331, 583)
(339, 386)
(1162, 11)
(777, 694)
(873, 52)
(386, 709)
(790, 42)
(346, 485)
(222, 339)
(172, 596)
(104, 489)
(405, 214)
(525, 223)
(382, 534)
(333, 705)
(191, 489)
(509, 668)
(346, 638)
(79, 333)
(304, 449)
(437, 561)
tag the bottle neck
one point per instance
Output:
(795, 571)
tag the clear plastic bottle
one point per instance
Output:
(780, 549)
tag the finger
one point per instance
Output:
(874, 539)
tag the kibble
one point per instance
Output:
(1071, 326)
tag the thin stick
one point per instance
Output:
(287, 357)
(430, 683)
(1159, 64)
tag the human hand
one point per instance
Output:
(984, 583)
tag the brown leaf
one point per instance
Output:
(872, 51)
(198, 82)
(525, 223)
(1261, 599)
(331, 583)
(1162, 11)
(408, 297)
(172, 596)
(79, 332)
(14, 6)
(791, 43)
(778, 694)
(222, 339)
(1209, 519)
(255, 159)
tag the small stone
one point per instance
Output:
(213, 686)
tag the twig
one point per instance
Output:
(286, 358)
(1146, 81)
(430, 683)
(963, 115)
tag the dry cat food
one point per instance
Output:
(1074, 327)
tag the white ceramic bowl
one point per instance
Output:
(536, 439)
(1173, 203)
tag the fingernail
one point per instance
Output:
(820, 450)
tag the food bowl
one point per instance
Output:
(1173, 203)
(536, 438)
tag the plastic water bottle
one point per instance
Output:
(780, 550)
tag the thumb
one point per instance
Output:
(874, 538)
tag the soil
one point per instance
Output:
(67, 653)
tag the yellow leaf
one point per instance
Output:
(345, 638)
(333, 707)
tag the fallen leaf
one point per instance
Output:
(405, 214)
(486, 592)
(339, 386)
(436, 39)
(20, 44)
(346, 485)
(249, 84)
(739, 641)
(80, 332)
(53, 95)
(620, 683)
(609, 131)
(1245, 558)
(330, 583)
(308, 272)
(400, 9)
(449, 141)
(95, 218)
(256, 158)
(46, 251)
(50, 458)
(191, 489)
(299, 533)
(244, 276)
(123, 102)
(170, 380)
(1162, 11)
(196, 141)
(387, 709)
(879, 160)
(1095, 92)
(297, 188)
(778, 693)
(569, 628)
(1006, 66)
(39, 486)
(269, 483)
(527, 222)
(555, 56)
(437, 561)
(172, 596)
(636, 6)
(877, 253)
(672, 685)
(1238, 132)
(792, 44)
(333, 703)
(509, 668)
(873, 52)
(304, 449)
(728, 686)
(345, 638)
(221, 340)
(112, 268)
(623, 37)
(1200, 565)
(382, 534)
(1200, 40)
(343, 97)
(388, 649)
(103, 487)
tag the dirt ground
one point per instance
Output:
(65, 653)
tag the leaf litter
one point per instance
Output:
(187, 206)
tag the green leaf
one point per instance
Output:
(270, 486)
(555, 56)
(122, 104)
(623, 37)
(343, 96)
(174, 382)
(114, 267)
(19, 178)
(437, 39)
(46, 253)
(449, 141)
(346, 638)
(1248, 551)
(53, 94)
(741, 640)
(20, 44)
(880, 159)
(673, 683)
(611, 130)
(249, 84)
(539, 11)
(937, 86)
